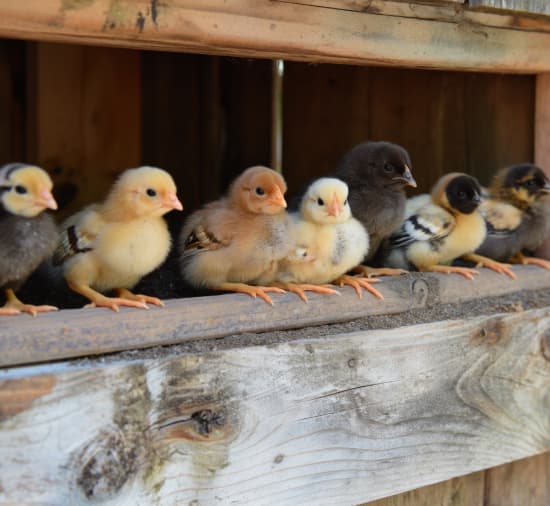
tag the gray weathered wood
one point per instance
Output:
(527, 6)
(325, 421)
(82, 332)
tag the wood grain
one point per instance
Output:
(337, 420)
(266, 29)
(83, 332)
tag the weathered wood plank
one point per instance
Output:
(335, 420)
(266, 29)
(541, 7)
(82, 332)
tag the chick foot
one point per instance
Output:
(300, 288)
(448, 269)
(253, 291)
(368, 272)
(127, 294)
(14, 306)
(359, 282)
(99, 300)
(489, 263)
(525, 260)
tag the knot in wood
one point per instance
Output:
(420, 290)
(206, 419)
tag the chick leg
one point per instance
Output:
(448, 269)
(15, 306)
(368, 272)
(357, 283)
(253, 291)
(127, 294)
(99, 300)
(489, 263)
(300, 288)
(520, 258)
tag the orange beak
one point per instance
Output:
(45, 199)
(334, 208)
(276, 198)
(171, 201)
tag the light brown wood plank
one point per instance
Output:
(523, 482)
(338, 420)
(266, 29)
(81, 332)
(88, 118)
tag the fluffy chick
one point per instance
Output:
(112, 245)
(332, 242)
(516, 215)
(28, 234)
(440, 228)
(234, 243)
(377, 174)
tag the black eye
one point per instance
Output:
(461, 194)
(388, 167)
(320, 201)
(260, 191)
(150, 192)
(20, 189)
(531, 183)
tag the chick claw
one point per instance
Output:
(499, 267)
(114, 303)
(14, 306)
(301, 288)
(525, 260)
(447, 269)
(127, 294)
(358, 282)
(368, 272)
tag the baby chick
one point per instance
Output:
(442, 227)
(377, 174)
(28, 234)
(236, 241)
(332, 240)
(112, 245)
(516, 216)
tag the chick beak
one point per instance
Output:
(276, 198)
(334, 208)
(45, 199)
(546, 188)
(407, 178)
(171, 201)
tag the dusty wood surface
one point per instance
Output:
(262, 28)
(82, 332)
(525, 6)
(339, 420)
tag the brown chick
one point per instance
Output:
(234, 243)
(112, 245)
(28, 234)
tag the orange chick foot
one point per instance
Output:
(539, 262)
(114, 303)
(369, 272)
(448, 269)
(253, 291)
(299, 289)
(146, 299)
(489, 263)
(358, 282)
(14, 306)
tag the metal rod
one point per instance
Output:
(278, 71)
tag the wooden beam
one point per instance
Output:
(267, 29)
(84, 332)
(336, 420)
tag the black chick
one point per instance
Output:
(516, 216)
(377, 174)
(29, 236)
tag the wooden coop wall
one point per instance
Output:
(85, 113)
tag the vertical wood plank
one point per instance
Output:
(464, 491)
(5, 104)
(524, 482)
(542, 135)
(87, 124)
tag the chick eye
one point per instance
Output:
(321, 202)
(531, 182)
(20, 189)
(150, 192)
(461, 194)
(388, 167)
(260, 191)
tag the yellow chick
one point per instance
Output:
(330, 240)
(112, 245)
(234, 243)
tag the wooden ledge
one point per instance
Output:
(275, 29)
(339, 420)
(84, 332)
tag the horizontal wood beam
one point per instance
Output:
(84, 332)
(335, 420)
(269, 29)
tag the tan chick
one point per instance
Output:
(330, 240)
(112, 245)
(234, 243)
